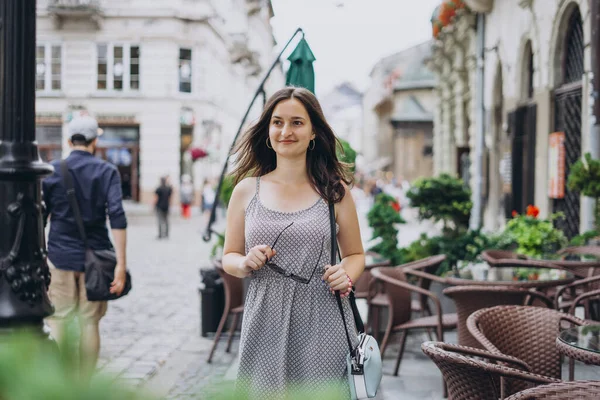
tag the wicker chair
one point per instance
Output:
(399, 294)
(579, 390)
(234, 304)
(469, 299)
(527, 333)
(580, 292)
(468, 378)
(361, 286)
(424, 270)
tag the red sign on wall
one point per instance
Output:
(556, 166)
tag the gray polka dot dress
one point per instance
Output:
(292, 333)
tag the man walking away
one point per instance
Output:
(162, 202)
(97, 188)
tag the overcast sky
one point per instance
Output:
(348, 37)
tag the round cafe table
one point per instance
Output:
(581, 343)
(500, 276)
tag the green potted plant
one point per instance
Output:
(443, 198)
(585, 178)
(382, 218)
(535, 237)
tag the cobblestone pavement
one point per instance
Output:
(159, 321)
(151, 338)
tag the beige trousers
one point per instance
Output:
(67, 293)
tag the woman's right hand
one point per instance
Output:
(256, 258)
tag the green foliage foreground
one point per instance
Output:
(32, 369)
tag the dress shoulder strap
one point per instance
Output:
(257, 184)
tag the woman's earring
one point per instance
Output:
(268, 144)
(313, 144)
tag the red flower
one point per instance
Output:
(515, 214)
(396, 206)
(446, 14)
(197, 153)
(532, 211)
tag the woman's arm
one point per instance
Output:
(235, 261)
(350, 244)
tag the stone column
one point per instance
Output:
(438, 132)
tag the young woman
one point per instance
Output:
(278, 234)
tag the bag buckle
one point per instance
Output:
(357, 369)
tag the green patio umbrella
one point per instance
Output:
(301, 72)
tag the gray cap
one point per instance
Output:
(85, 126)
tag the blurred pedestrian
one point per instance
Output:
(162, 202)
(186, 196)
(278, 234)
(208, 198)
(98, 192)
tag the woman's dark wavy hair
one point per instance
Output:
(325, 171)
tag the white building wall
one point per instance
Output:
(220, 94)
(509, 25)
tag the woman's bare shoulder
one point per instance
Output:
(244, 190)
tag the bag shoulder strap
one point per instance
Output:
(70, 188)
(333, 262)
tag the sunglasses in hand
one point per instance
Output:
(276, 268)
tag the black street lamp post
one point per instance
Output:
(24, 275)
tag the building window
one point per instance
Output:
(118, 67)
(185, 70)
(49, 138)
(48, 67)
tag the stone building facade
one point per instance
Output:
(342, 107)
(536, 81)
(398, 114)
(161, 77)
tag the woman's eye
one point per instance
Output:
(277, 123)
(298, 123)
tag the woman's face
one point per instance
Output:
(290, 129)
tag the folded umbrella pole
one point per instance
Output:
(301, 73)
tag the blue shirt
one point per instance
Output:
(98, 191)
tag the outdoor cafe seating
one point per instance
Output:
(513, 330)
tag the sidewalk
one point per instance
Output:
(151, 338)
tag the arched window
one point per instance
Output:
(573, 53)
(527, 72)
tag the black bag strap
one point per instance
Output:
(334, 251)
(70, 188)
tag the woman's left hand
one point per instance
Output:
(337, 279)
